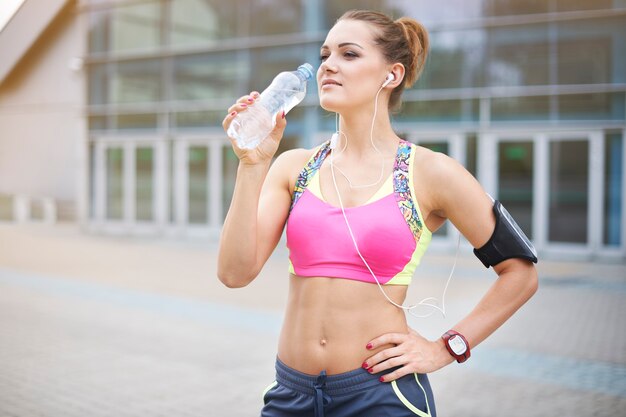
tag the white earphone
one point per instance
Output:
(390, 78)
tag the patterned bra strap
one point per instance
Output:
(402, 189)
(308, 171)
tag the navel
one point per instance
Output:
(322, 342)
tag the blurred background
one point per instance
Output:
(115, 178)
(110, 110)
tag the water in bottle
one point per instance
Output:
(250, 127)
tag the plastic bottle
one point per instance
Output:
(287, 89)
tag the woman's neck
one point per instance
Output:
(356, 127)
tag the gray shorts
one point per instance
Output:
(354, 393)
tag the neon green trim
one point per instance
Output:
(405, 276)
(314, 185)
(291, 269)
(266, 390)
(407, 403)
(385, 190)
(424, 391)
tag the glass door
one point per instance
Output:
(568, 186)
(516, 180)
(545, 181)
(125, 184)
(196, 178)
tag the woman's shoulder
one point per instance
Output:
(429, 162)
(297, 157)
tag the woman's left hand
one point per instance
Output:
(413, 352)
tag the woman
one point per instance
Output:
(353, 225)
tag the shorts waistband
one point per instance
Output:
(338, 384)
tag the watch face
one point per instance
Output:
(457, 345)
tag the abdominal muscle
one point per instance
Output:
(329, 321)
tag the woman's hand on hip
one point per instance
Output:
(265, 151)
(411, 351)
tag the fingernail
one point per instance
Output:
(381, 379)
(364, 366)
(244, 105)
(369, 346)
(233, 113)
(283, 114)
(250, 99)
(371, 370)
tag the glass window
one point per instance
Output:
(456, 60)
(295, 127)
(613, 168)
(198, 191)
(576, 5)
(569, 199)
(97, 122)
(514, 7)
(98, 84)
(198, 119)
(207, 76)
(471, 153)
(266, 63)
(271, 17)
(334, 9)
(144, 189)
(198, 22)
(424, 10)
(598, 106)
(518, 56)
(136, 82)
(135, 26)
(114, 183)
(99, 29)
(136, 121)
(520, 108)
(515, 181)
(591, 51)
(439, 111)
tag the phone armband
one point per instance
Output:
(507, 241)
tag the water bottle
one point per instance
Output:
(250, 127)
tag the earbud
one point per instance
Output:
(390, 78)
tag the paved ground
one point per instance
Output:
(101, 326)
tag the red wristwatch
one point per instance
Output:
(457, 345)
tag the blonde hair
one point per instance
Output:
(404, 40)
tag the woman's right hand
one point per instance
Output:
(265, 151)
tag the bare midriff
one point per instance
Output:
(329, 322)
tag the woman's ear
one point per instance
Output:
(398, 71)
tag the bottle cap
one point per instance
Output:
(307, 70)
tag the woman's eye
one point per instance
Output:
(350, 55)
(323, 57)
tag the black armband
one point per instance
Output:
(507, 241)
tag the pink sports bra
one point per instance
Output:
(388, 228)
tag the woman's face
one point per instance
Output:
(352, 67)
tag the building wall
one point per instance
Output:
(42, 126)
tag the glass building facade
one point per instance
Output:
(530, 95)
